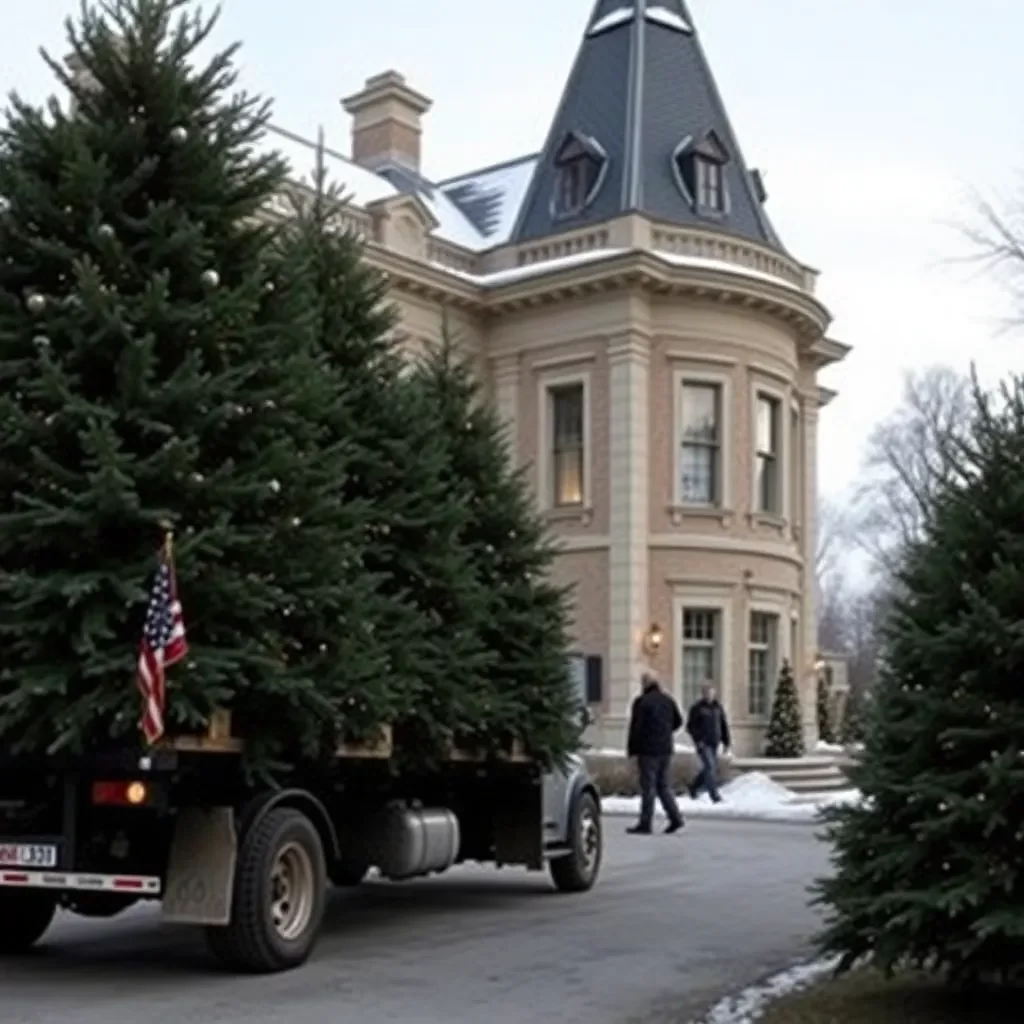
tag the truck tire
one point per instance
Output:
(279, 896)
(25, 914)
(577, 870)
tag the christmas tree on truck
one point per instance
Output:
(174, 357)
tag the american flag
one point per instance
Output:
(163, 643)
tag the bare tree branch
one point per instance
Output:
(911, 456)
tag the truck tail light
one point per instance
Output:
(128, 793)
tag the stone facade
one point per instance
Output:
(660, 381)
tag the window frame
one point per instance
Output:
(547, 387)
(771, 649)
(575, 151)
(691, 160)
(682, 376)
(719, 600)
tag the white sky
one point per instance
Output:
(873, 119)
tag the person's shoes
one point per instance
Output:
(716, 799)
(692, 792)
(674, 827)
(638, 830)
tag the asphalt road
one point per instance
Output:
(675, 923)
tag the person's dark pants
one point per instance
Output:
(708, 777)
(655, 780)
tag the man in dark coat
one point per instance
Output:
(653, 723)
(709, 729)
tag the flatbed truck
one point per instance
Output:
(183, 824)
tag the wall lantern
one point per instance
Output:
(653, 639)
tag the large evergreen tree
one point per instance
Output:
(928, 868)
(524, 619)
(432, 594)
(156, 366)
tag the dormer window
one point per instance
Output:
(710, 184)
(580, 166)
(699, 170)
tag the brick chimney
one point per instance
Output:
(386, 122)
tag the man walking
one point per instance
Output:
(654, 720)
(709, 729)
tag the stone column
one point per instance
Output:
(809, 537)
(629, 430)
(506, 397)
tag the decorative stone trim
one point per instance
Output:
(679, 513)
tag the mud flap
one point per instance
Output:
(201, 868)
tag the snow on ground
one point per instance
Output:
(750, 1004)
(751, 796)
(681, 748)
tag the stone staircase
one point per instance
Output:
(804, 775)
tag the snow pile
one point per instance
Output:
(829, 748)
(750, 1004)
(753, 796)
(758, 788)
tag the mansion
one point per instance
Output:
(651, 344)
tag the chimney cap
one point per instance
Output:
(386, 85)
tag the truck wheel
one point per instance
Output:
(279, 895)
(577, 871)
(25, 914)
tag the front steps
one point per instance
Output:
(804, 775)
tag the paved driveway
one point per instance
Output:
(675, 923)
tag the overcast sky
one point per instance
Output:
(873, 119)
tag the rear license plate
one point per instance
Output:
(28, 855)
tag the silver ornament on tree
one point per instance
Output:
(41, 341)
(105, 231)
(36, 303)
(210, 278)
(179, 135)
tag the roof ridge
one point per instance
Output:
(490, 169)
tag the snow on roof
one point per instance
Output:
(669, 19)
(491, 198)
(659, 15)
(513, 274)
(453, 223)
(359, 185)
(616, 17)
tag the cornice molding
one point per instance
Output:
(631, 270)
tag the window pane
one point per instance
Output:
(767, 425)
(697, 482)
(699, 625)
(765, 482)
(567, 416)
(700, 413)
(757, 683)
(700, 654)
(758, 628)
(568, 482)
(698, 670)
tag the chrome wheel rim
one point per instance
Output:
(291, 891)
(590, 840)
